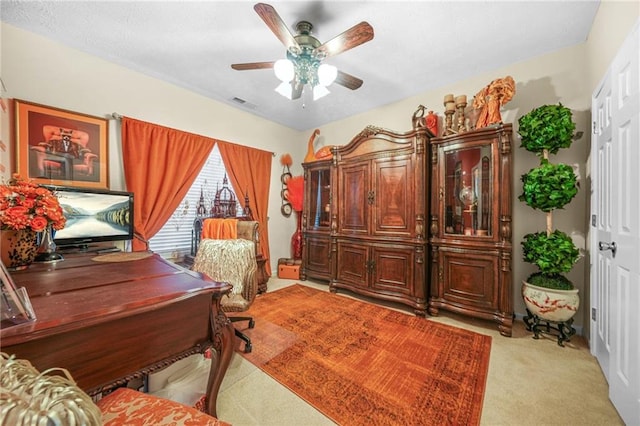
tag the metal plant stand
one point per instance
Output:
(562, 329)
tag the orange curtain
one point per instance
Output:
(160, 165)
(249, 171)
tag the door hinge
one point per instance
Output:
(594, 220)
(593, 314)
(594, 127)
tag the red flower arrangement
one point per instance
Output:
(26, 205)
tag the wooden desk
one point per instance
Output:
(110, 322)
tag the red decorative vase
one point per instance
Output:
(432, 123)
(18, 248)
(296, 239)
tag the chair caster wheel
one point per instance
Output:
(252, 323)
(247, 349)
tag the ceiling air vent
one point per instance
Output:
(242, 102)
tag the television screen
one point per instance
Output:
(94, 215)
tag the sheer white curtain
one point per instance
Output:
(174, 239)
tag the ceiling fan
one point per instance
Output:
(305, 54)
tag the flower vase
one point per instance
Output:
(47, 248)
(296, 239)
(18, 248)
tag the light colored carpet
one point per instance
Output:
(530, 382)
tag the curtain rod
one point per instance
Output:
(117, 116)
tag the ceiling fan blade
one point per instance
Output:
(253, 66)
(276, 25)
(354, 36)
(348, 81)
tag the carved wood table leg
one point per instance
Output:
(222, 335)
(263, 278)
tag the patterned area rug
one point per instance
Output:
(363, 364)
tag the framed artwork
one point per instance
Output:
(59, 147)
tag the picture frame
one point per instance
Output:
(60, 147)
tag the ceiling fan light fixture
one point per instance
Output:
(304, 55)
(283, 69)
(319, 91)
(327, 74)
(285, 89)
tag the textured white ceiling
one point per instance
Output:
(418, 45)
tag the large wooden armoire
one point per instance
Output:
(378, 208)
(424, 222)
(471, 225)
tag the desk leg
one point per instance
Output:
(262, 274)
(222, 336)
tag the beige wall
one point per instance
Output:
(611, 26)
(41, 71)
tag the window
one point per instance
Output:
(174, 239)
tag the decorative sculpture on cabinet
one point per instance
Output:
(490, 99)
(428, 120)
(321, 154)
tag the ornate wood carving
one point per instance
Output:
(369, 131)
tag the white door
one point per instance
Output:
(619, 274)
(601, 220)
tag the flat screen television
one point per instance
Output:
(93, 216)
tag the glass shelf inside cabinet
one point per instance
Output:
(319, 203)
(467, 191)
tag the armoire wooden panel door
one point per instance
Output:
(394, 190)
(392, 268)
(353, 267)
(354, 194)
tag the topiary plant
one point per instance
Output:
(548, 187)
(553, 254)
(549, 127)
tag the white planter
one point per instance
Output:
(550, 304)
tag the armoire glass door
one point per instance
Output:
(467, 191)
(319, 202)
